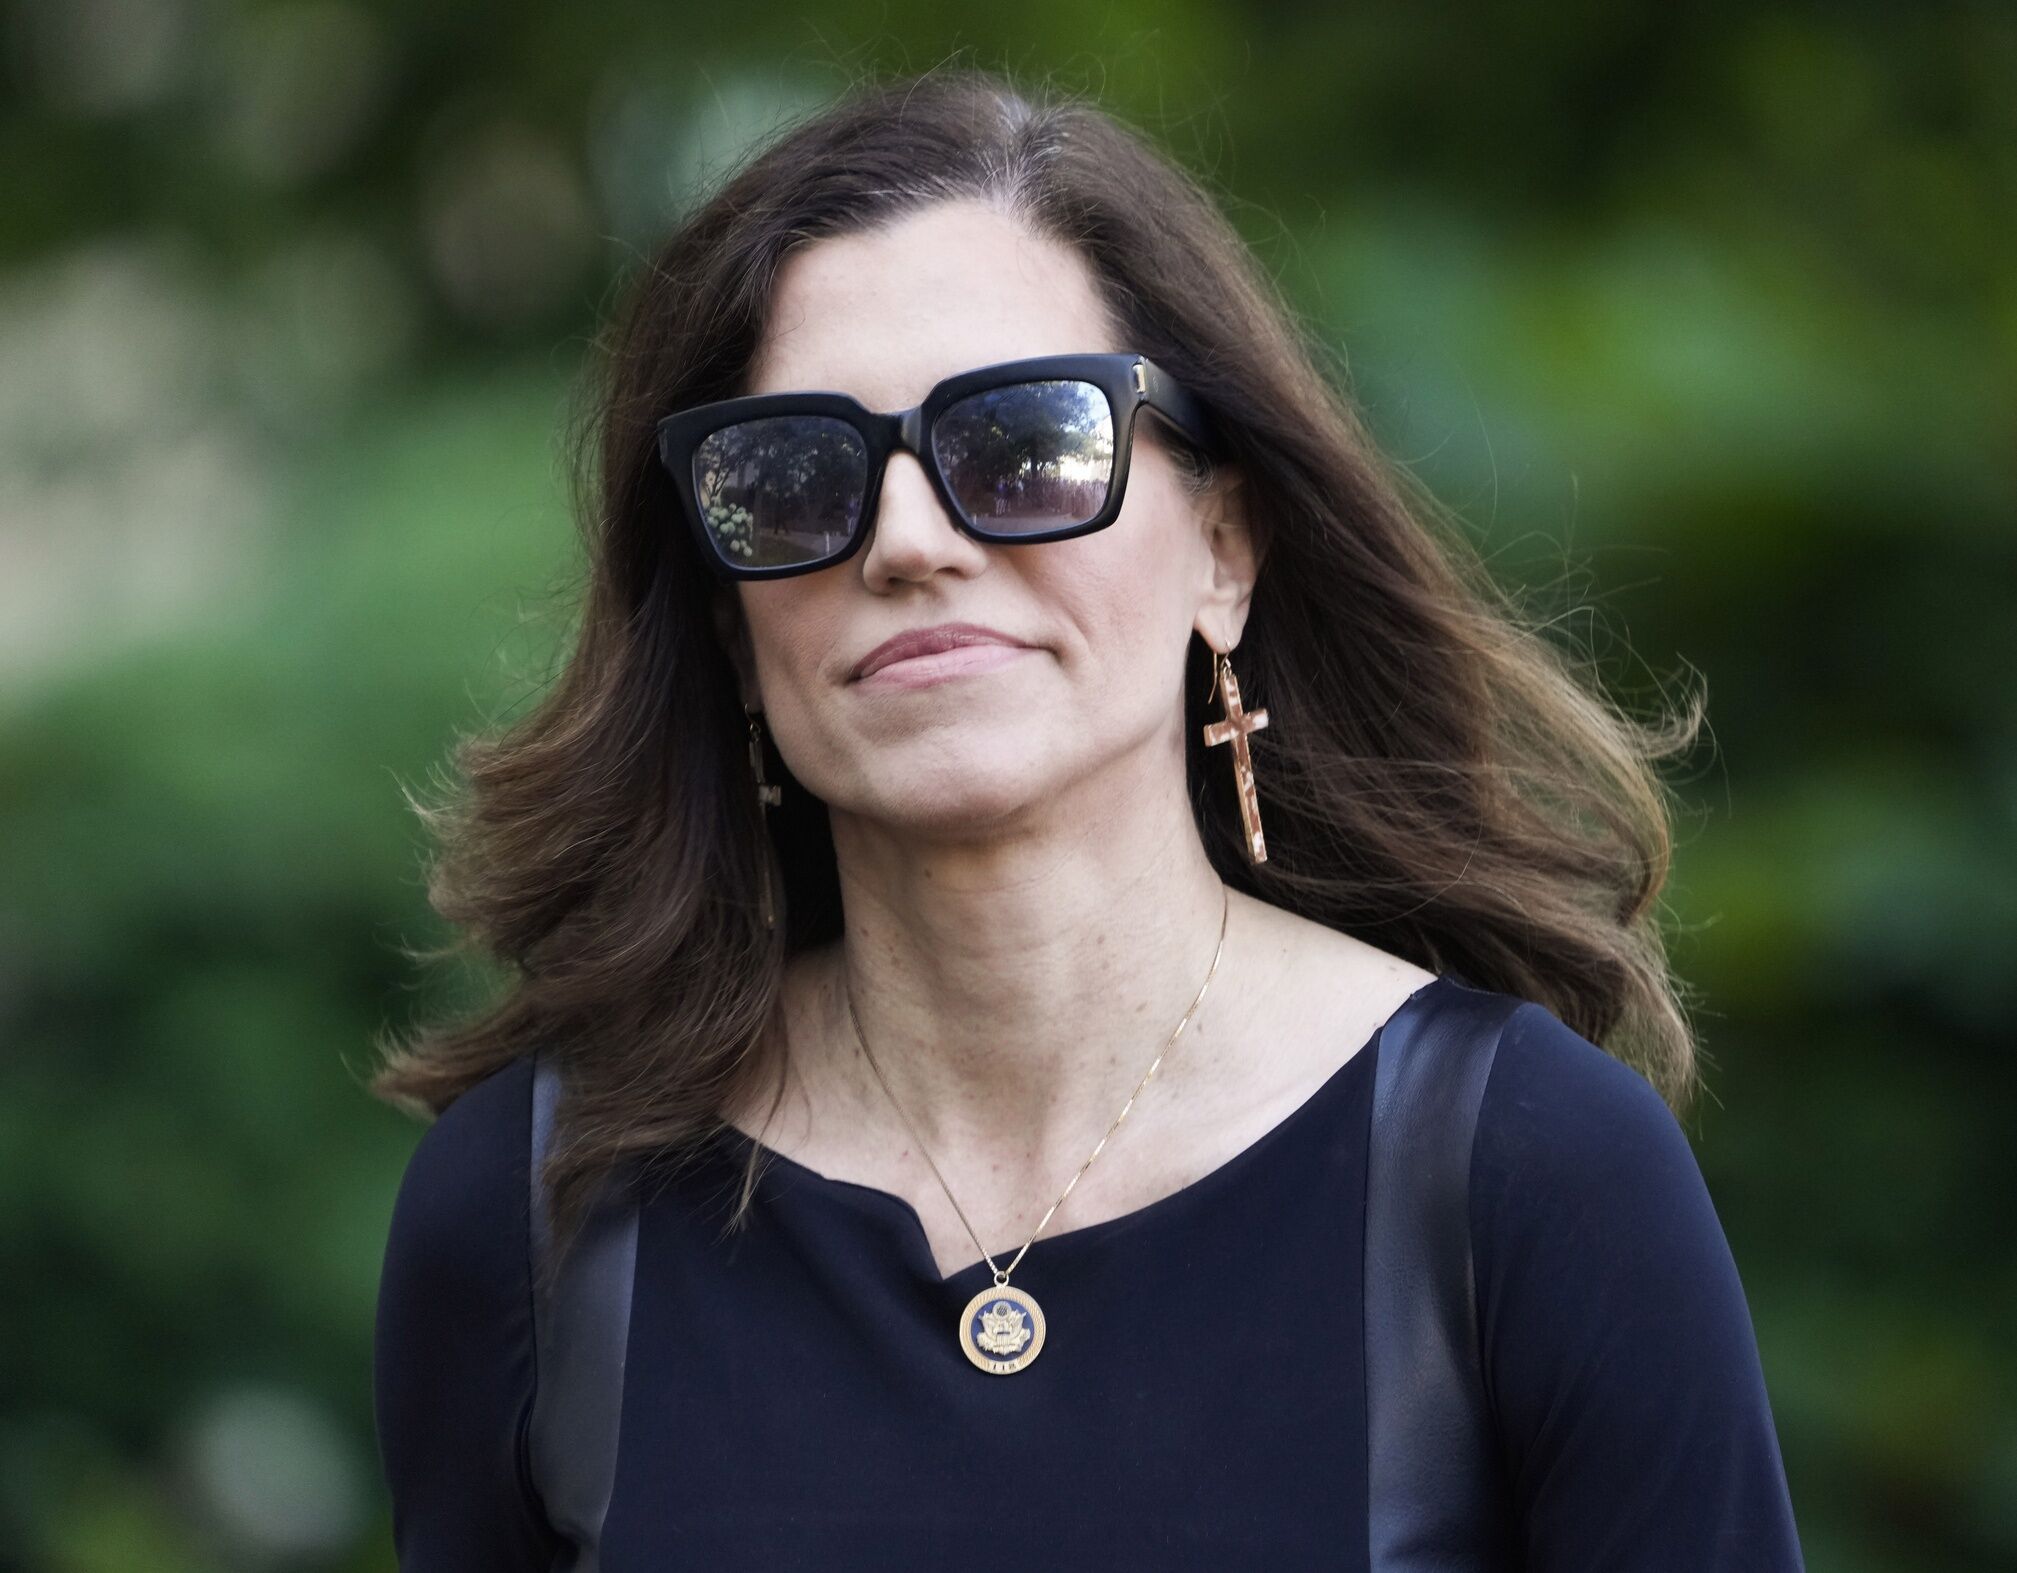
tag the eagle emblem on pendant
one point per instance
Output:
(1002, 1330)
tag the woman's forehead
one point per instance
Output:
(884, 314)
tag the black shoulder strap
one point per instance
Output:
(581, 1329)
(1437, 1500)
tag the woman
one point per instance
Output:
(999, 1051)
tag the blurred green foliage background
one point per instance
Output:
(1703, 317)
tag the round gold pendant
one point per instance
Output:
(1002, 1330)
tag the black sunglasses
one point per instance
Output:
(775, 484)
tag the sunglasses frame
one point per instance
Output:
(1130, 381)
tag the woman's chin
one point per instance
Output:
(960, 799)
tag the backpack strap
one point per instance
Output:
(1436, 1494)
(581, 1330)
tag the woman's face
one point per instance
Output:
(1092, 710)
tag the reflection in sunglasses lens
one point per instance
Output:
(1028, 457)
(780, 490)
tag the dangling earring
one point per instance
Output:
(768, 796)
(1234, 728)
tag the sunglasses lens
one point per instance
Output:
(1030, 457)
(781, 490)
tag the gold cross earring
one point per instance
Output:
(1234, 728)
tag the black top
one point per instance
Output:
(795, 1396)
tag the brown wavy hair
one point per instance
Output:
(1438, 778)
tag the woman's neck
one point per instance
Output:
(1013, 994)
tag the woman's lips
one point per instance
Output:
(929, 641)
(921, 671)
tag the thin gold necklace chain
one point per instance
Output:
(1001, 1274)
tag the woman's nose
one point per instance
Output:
(911, 535)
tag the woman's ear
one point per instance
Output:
(732, 629)
(1234, 557)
